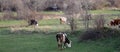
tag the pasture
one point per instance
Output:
(105, 11)
(40, 42)
(42, 39)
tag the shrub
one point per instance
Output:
(94, 34)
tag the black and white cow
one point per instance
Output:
(62, 40)
(33, 22)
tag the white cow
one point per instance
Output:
(63, 20)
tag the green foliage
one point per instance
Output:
(6, 23)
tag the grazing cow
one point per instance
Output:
(115, 22)
(63, 20)
(33, 22)
(62, 40)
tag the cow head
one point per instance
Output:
(69, 44)
(112, 23)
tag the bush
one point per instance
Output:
(94, 34)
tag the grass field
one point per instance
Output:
(105, 12)
(40, 42)
(91, 11)
(44, 40)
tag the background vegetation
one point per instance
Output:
(88, 26)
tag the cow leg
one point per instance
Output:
(59, 46)
(60, 21)
(64, 45)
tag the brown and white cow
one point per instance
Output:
(115, 22)
(62, 40)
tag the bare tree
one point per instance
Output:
(5, 8)
(75, 9)
(71, 8)
(28, 9)
(99, 21)
(22, 11)
(84, 13)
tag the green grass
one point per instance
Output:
(38, 42)
(32, 41)
(104, 12)
(12, 23)
(52, 12)
(50, 25)
(49, 22)
(91, 11)
(23, 22)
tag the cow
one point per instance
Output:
(115, 22)
(33, 22)
(63, 40)
(63, 20)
